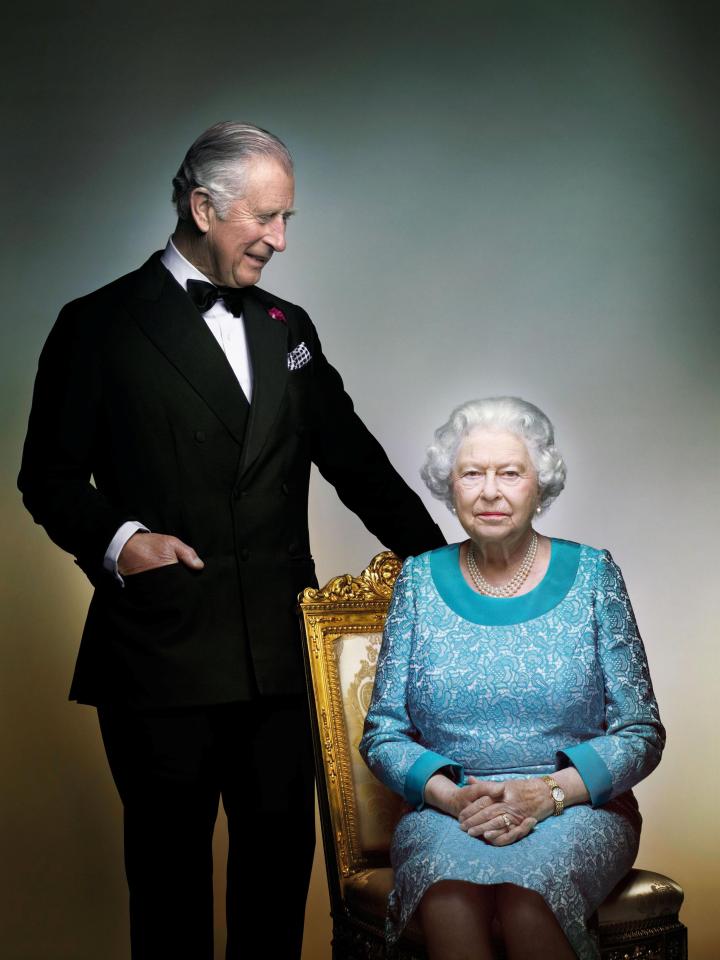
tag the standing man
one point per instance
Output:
(175, 416)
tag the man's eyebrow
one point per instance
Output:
(274, 213)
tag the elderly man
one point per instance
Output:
(175, 416)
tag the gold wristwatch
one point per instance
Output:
(558, 794)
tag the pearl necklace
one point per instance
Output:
(513, 585)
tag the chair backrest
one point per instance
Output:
(343, 624)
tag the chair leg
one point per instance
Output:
(356, 941)
(353, 942)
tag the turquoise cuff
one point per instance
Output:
(420, 772)
(589, 764)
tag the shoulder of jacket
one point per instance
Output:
(109, 296)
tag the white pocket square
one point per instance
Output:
(298, 357)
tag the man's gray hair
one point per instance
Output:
(512, 414)
(218, 162)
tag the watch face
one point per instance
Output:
(558, 793)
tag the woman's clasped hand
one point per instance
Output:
(497, 811)
(505, 811)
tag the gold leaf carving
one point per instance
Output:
(328, 745)
(375, 582)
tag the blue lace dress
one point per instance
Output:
(518, 687)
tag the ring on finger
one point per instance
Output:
(507, 821)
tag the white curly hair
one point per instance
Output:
(512, 414)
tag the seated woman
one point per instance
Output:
(512, 708)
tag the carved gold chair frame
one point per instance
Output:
(342, 628)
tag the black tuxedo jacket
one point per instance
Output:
(137, 415)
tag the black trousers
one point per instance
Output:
(171, 767)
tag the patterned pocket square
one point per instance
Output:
(298, 357)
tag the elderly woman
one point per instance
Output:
(512, 708)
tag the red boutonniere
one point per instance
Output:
(277, 314)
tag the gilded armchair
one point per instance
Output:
(342, 625)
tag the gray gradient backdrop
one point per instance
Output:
(493, 198)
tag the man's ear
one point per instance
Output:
(201, 209)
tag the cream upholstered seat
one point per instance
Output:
(343, 624)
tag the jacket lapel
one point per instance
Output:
(267, 342)
(170, 320)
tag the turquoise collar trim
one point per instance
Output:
(492, 611)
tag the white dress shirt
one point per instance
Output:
(229, 331)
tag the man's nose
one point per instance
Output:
(276, 234)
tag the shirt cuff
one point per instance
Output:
(589, 764)
(420, 772)
(117, 543)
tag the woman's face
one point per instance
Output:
(495, 489)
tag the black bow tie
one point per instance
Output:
(205, 296)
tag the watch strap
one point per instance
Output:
(555, 789)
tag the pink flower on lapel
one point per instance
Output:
(277, 314)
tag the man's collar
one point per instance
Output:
(181, 269)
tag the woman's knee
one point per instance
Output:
(520, 906)
(456, 920)
(454, 898)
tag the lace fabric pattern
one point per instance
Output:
(506, 700)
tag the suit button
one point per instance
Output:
(244, 554)
(200, 436)
(293, 548)
(285, 489)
